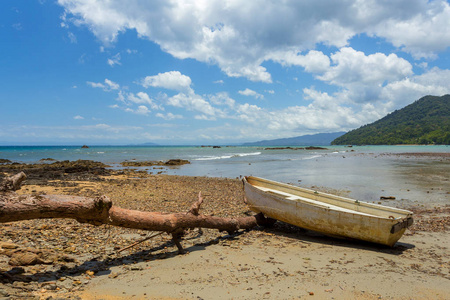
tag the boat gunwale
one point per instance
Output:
(404, 213)
(389, 231)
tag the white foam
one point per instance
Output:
(312, 157)
(227, 156)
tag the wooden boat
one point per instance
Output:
(325, 213)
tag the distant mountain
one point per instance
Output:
(148, 144)
(320, 139)
(426, 121)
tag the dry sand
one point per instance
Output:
(261, 265)
(283, 262)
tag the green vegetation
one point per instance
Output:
(426, 121)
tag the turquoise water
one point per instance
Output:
(364, 171)
(117, 154)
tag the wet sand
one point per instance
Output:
(282, 262)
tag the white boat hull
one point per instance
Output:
(325, 213)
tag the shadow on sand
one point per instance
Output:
(167, 250)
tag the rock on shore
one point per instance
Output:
(51, 259)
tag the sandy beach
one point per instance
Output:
(81, 261)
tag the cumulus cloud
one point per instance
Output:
(78, 117)
(142, 110)
(322, 115)
(186, 98)
(313, 62)
(362, 77)
(141, 98)
(192, 102)
(351, 66)
(433, 82)
(363, 96)
(172, 80)
(249, 92)
(223, 99)
(239, 36)
(422, 34)
(243, 38)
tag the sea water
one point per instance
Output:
(366, 172)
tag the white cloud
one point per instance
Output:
(249, 92)
(186, 98)
(141, 98)
(96, 132)
(422, 34)
(351, 66)
(360, 77)
(115, 60)
(250, 113)
(222, 98)
(96, 84)
(172, 80)
(121, 96)
(322, 115)
(433, 82)
(169, 116)
(313, 62)
(72, 37)
(205, 118)
(243, 38)
(142, 110)
(112, 85)
(192, 102)
(98, 126)
(239, 36)
(107, 86)
(78, 117)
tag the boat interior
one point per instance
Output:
(324, 200)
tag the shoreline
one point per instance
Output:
(284, 262)
(122, 154)
(422, 154)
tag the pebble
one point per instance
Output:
(223, 197)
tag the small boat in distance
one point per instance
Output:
(326, 213)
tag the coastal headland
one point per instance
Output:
(69, 260)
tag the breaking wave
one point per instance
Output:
(227, 156)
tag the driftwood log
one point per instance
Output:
(100, 210)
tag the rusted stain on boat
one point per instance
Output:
(326, 213)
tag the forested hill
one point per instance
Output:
(426, 121)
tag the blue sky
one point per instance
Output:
(212, 72)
